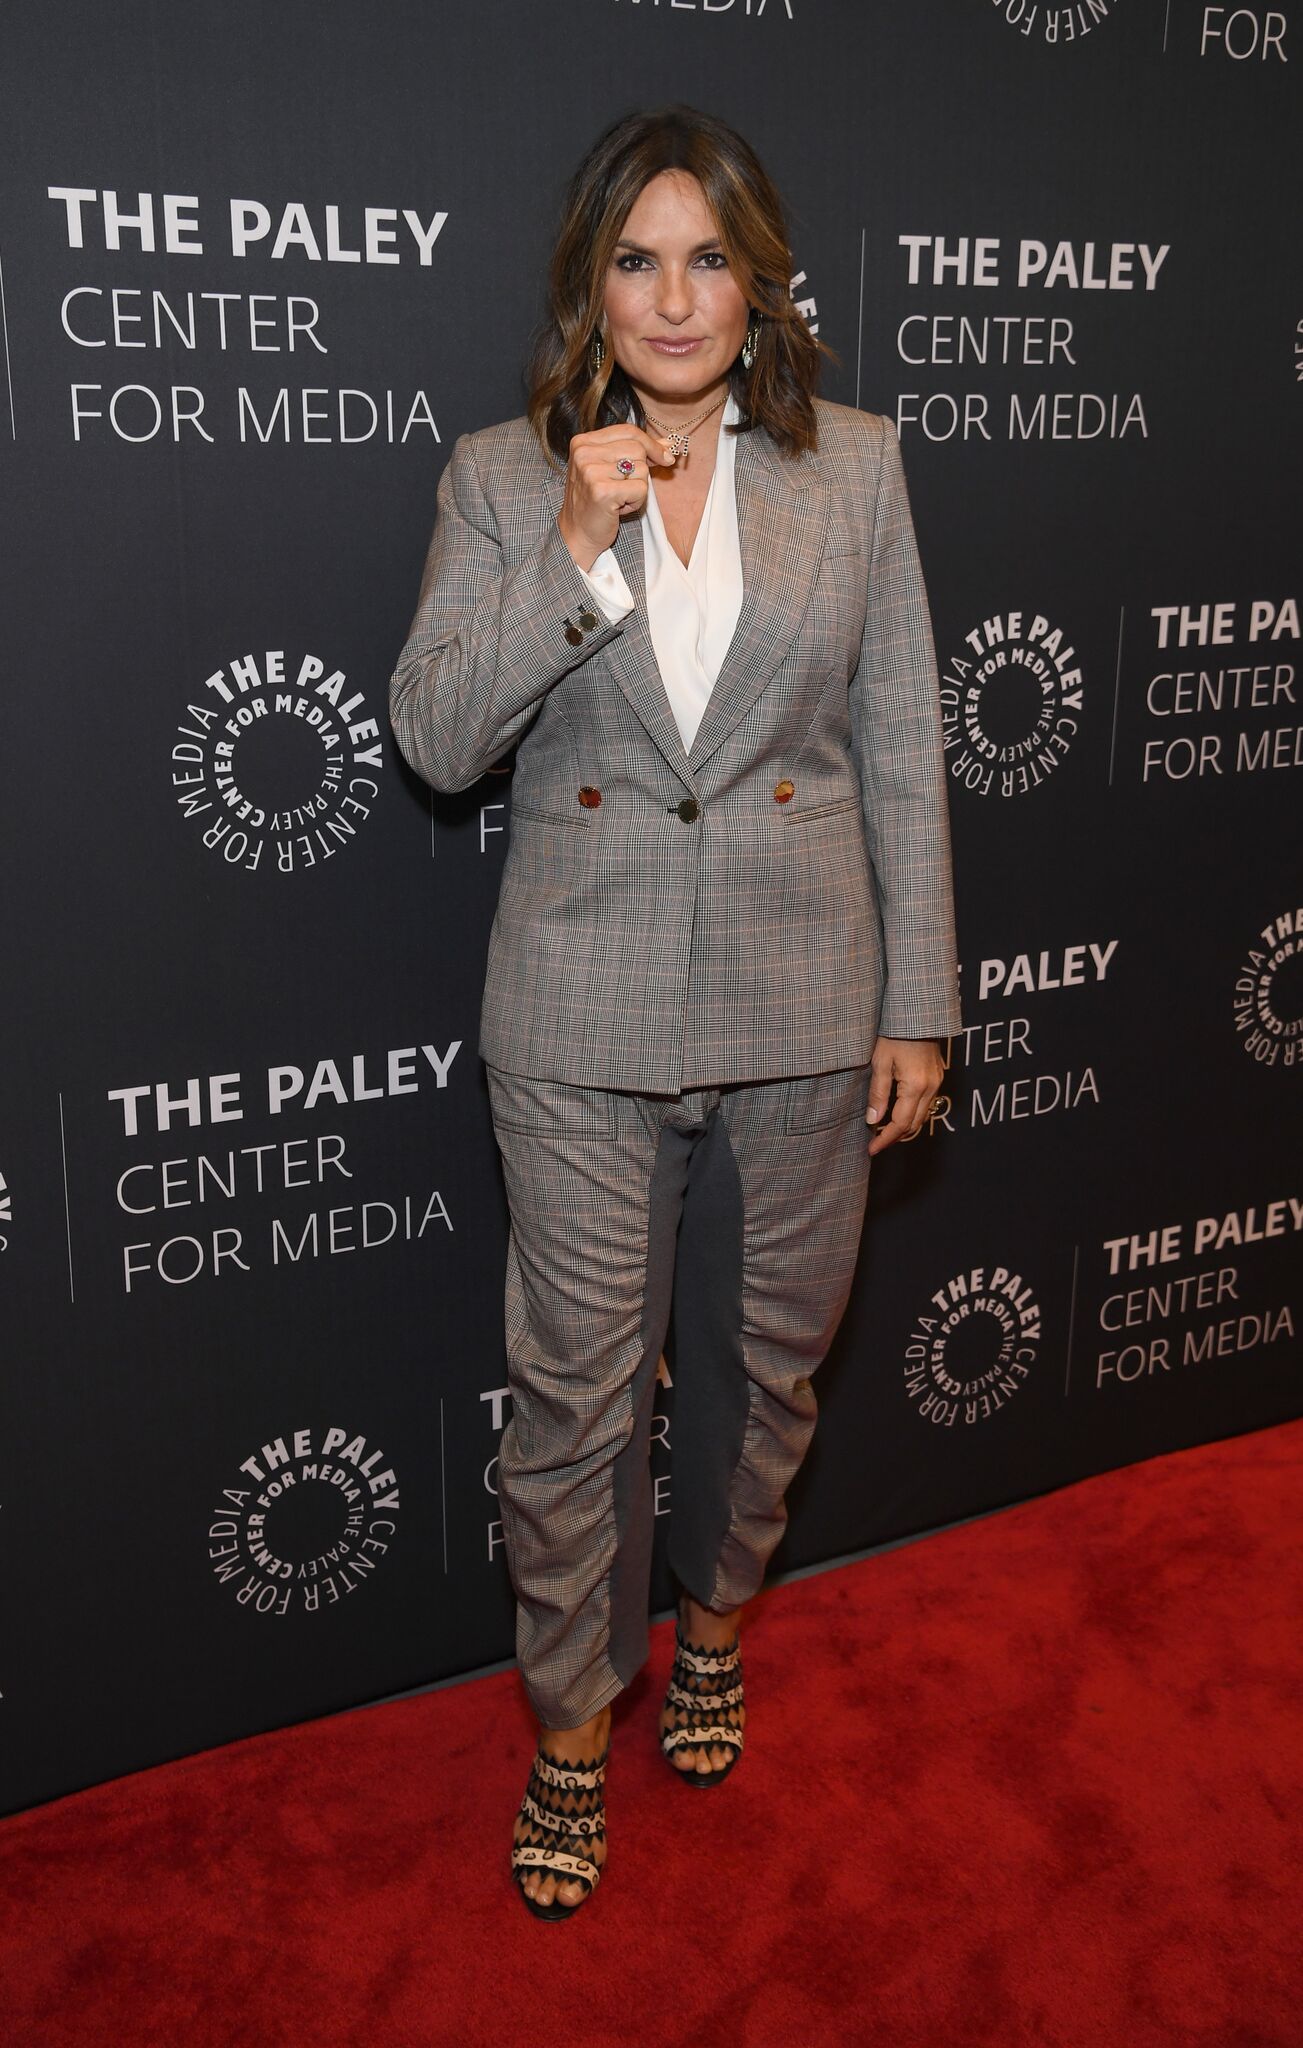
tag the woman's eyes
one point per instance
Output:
(632, 263)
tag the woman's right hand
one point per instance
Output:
(596, 493)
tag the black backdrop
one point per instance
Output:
(251, 1219)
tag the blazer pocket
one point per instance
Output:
(815, 1102)
(828, 810)
(576, 817)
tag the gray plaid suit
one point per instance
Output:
(692, 956)
(635, 947)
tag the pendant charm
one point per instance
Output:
(678, 437)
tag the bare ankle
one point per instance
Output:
(716, 1621)
(587, 1734)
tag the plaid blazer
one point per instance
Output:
(762, 904)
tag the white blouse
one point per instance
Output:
(692, 612)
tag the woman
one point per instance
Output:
(689, 592)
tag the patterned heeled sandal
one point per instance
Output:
(704, 1715)
(565, 1813)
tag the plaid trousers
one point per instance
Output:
(741, 1207)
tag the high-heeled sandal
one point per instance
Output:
(557, 1835)
(703, 1719)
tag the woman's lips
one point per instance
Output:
(675, 348)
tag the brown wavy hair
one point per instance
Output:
(566, 396)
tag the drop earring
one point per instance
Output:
(597, 353)
(750, 345)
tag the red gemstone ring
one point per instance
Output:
(624, 466)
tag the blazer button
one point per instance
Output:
(589, 797)
(573, 635)
(688, 809)
(784, 791)
(588, 620)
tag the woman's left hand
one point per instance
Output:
(917, 1068)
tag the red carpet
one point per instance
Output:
(1034, 1781)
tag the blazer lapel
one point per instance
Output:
(782, 510)
(631, 653)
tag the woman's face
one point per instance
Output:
(675, 317)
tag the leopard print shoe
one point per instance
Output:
(703, 1712)
(564, 1817)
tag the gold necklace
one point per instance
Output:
(678, 436)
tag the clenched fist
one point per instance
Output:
(597, 494)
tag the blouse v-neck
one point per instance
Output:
(692, 607)
(654, 512)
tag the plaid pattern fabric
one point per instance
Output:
(645, 942)
(745, 1204)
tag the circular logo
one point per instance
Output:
(1269, 994)
(972, 1349)
(277, 766)
(1010, 704)
(307, 1520)
(1052, 24)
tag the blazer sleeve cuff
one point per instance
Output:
(899, 1020)
(544, 603)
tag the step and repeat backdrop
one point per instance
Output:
(259, 267)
